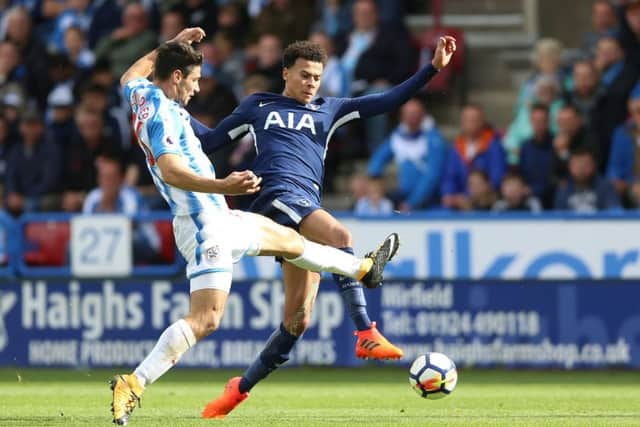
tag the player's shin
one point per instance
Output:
(318, 257)
(275, 353)
(172, 344)
(353, 297)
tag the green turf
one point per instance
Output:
(344, 397)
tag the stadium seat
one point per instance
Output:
(46, 243)
(167, 242)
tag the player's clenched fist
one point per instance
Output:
(190, 35)
(238, 183)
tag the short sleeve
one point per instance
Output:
(133, 85)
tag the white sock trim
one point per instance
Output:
(187, 332)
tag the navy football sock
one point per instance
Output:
(353, 297)
(275, 353)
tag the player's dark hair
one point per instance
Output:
(176, 56)
(303, 49)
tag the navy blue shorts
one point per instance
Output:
(285, 207)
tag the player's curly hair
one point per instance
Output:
(303, 49)
(175, 56)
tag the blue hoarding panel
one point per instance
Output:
(105, 323)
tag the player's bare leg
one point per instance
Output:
(206, 309)
(320, 226)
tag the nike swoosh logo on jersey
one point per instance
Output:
(262, 104)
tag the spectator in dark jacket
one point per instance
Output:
(629, 34)
(88, 142)
(583, 94)
(200, 13)
(419, 152)
(33, 170)
(19, 30)
(127, 43)
(370, 52)
(290, 19)
(214, 97)
(536, 157)
(106, 18)
(586, 191)
(477, 148)
(373, 62)
(572, 134)
(268, 62)
(610, 109)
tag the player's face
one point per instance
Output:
(302, 80)
(189, 85)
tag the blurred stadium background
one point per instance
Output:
(512, 179)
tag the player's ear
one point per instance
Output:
(176, 76)
(285, 73)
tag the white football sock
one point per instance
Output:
(172, 344)
(318, 257)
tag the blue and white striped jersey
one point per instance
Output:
(162, 126)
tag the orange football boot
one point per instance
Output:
(372, 344)
(230, 398)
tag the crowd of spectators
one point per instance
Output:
(572, 143)
(63, 122)
(60, 61)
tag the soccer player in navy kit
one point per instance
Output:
(291, 132)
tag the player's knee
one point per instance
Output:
(291, 243)
(298, 323)
(340, 237)
(206, 323)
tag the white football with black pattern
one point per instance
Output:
(433, 376)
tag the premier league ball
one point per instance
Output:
(433, 376)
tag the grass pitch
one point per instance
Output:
(378, 396)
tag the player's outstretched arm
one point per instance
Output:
(176, 174)
(143, 67)
(371, 105)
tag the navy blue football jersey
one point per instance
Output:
(291, 138)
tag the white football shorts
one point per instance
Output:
(212, 243)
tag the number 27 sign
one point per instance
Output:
(101, 246)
